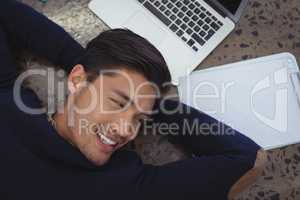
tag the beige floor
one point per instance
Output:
(267, 26)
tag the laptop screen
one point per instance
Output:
(231, 5)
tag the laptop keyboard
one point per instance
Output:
(188, 19)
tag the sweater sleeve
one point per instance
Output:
(8, 66)
(201, 134)
(35, 32)
(223, 155)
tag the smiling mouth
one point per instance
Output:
(106, 140)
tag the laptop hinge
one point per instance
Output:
(211, 4)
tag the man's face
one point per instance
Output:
(107, 114)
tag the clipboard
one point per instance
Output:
(259, 97)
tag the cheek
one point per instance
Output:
(94, 122)
(83, 124)
(83, 100)
(146, 105)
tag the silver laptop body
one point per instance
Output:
(185, 31)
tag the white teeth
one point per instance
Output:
(106, 140)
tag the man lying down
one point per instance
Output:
(115, 85)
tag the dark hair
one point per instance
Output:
(122, 48)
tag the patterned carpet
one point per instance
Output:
(267, 26)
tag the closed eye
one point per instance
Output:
(118, 103)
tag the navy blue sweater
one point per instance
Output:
(36, 163)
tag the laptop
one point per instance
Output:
(185, 31)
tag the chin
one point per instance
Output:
(95, 157)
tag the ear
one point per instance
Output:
(76, 78)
